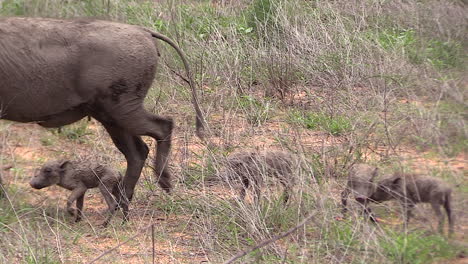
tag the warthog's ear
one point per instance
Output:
(63, 164)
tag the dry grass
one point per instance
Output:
(334, 82)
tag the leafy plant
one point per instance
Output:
(395, 38)
(15, 7)
(335, 125)
(440, 54)
(444, 54)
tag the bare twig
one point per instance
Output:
(152, 239)
(176, 73)
(271, 240)
(7, 167)
(285, 256)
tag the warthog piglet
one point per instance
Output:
(411, 189)
(78, 177)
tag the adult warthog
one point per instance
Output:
(55, 72)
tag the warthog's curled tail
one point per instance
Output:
(200, 120)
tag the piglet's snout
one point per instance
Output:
(35, 183)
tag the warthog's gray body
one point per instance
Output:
(55, 72)
(251, 168)
(411, 189)
(361, 184)
(78, 177)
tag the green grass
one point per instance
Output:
(438, 53)
(257, 111)
(7, 215)
(416, 248)
(335, 125)
(344, 234)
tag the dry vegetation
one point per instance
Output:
(334, 82)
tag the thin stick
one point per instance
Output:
(152, 239)
(119, 245)
(285, 256)
(178, 74)
(271, 240)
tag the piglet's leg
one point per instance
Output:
(439, 214)
(368, 213)
(111, 203)
(409, 206)
(245, 186)
(79, 206)
(76, 193)
(344, 200)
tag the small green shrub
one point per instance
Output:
(9, 213)
(43, 256)
(257, 111)
(444, 54)
(75, 131)
(343, 233)
(335, 125)
(416, 247)
(439, 54)
(394, 38)
(261, 13)
(12, 7)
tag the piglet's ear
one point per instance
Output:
(63, 164)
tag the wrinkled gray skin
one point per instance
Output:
(55, 72)
(79, 177)
(361, 183)
(251, 168)
(411, 189)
